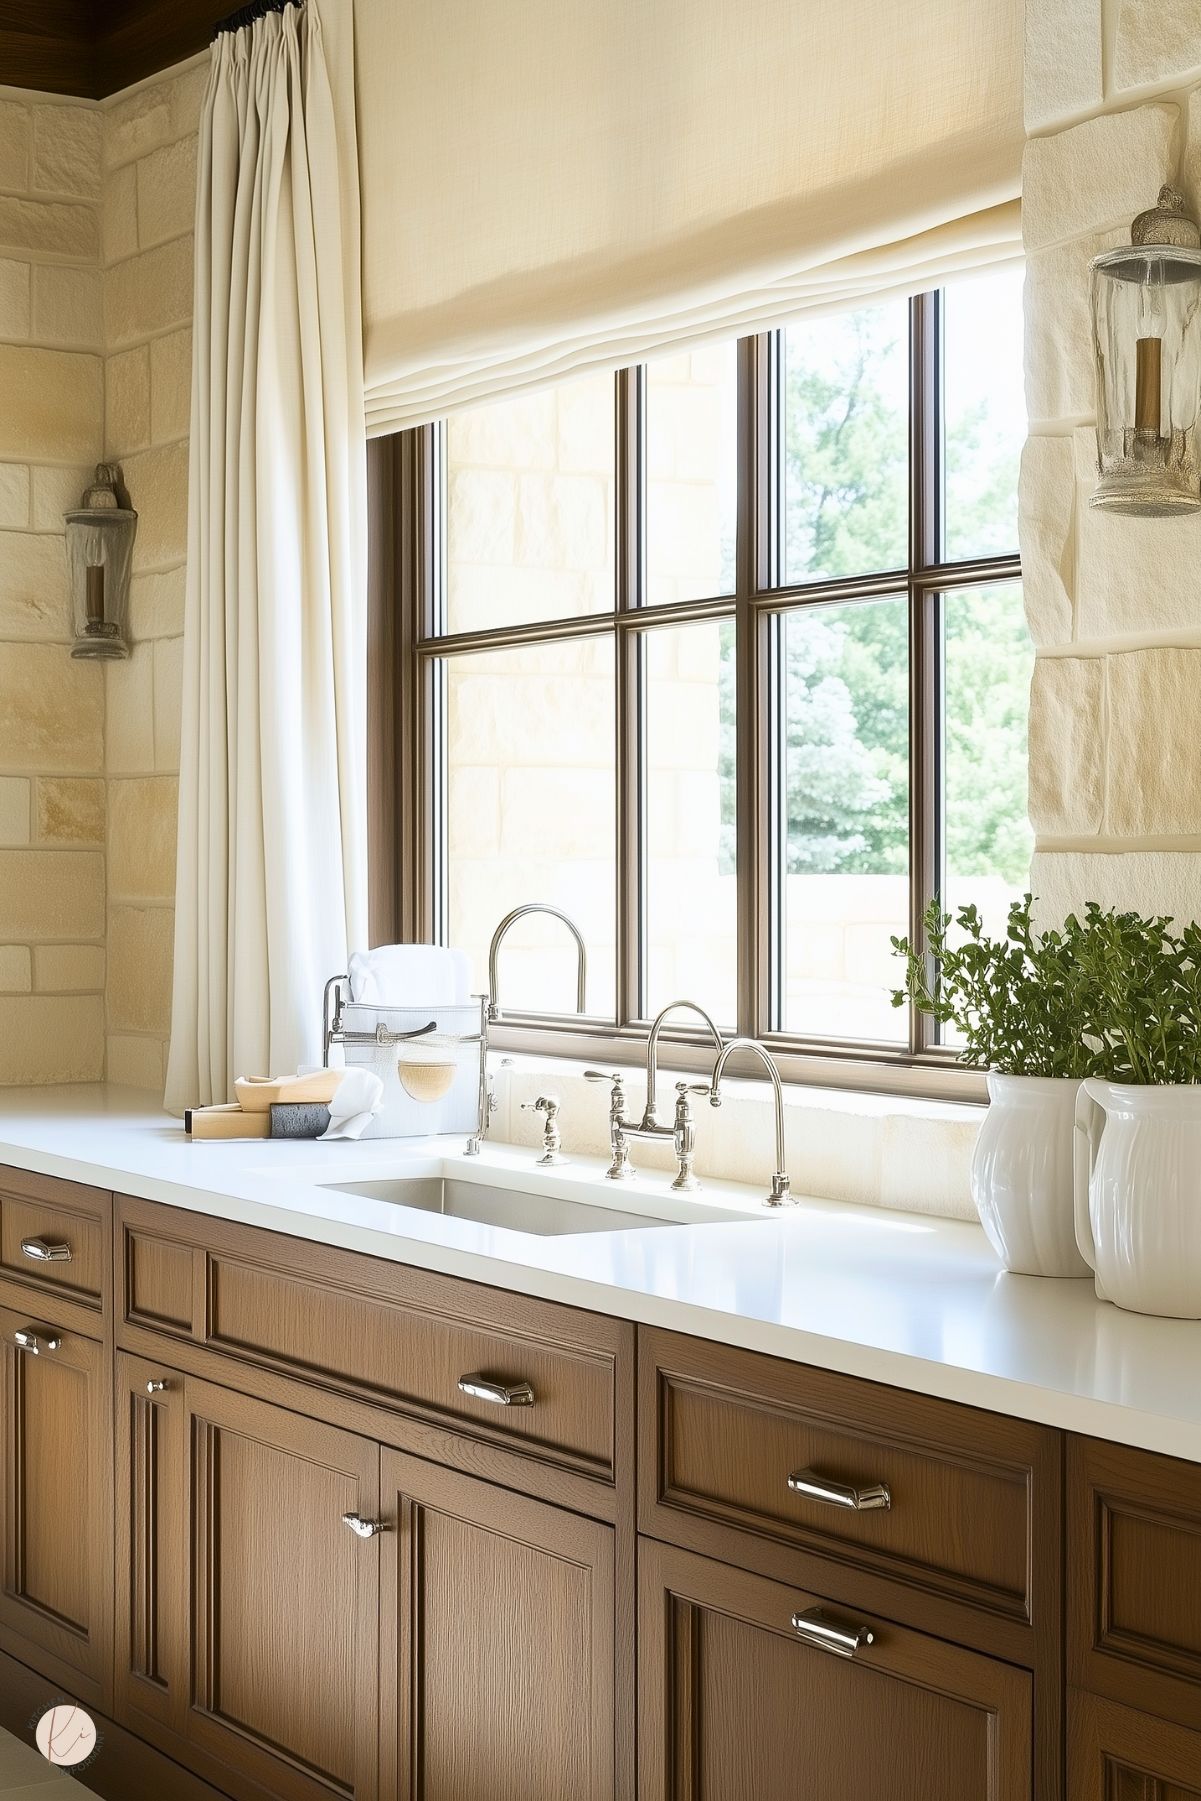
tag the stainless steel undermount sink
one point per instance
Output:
(517, 1210)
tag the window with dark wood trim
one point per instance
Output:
(950, 561)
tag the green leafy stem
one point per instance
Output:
(1110, 994)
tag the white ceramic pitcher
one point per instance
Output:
(1022, 1175)
(1138, 1195)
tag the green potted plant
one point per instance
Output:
(1138, 1167)
(1021, 1008)
(1096, 1024)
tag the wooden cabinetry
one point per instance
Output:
(459, 1642)
(1134, 1625)
(1134, 1594)
(476, 1637)
(382, 1347)
(498, 1663)
(1116, 1754)
(735, 1702)
(56, 1417)
(893, 1506)
(248, 1639)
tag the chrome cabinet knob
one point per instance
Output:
(842, 1638)
(26, 1339)
(874, 1498)
(363, 1528)
(156, 1386)
(39, 1251)
(482, 1388)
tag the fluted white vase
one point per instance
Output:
(1022, 1175)
(1138, 1195)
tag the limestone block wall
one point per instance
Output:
(150, 138)
(96, 226)
(52, 799)
(1113, 109)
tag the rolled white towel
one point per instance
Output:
(357, 1099)
(397, 975)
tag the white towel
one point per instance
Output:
(358, 1098)
(410, 975)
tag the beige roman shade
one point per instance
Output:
(550, 185)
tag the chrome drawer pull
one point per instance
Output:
(842, 1638)
(156, 1386)
(26, 1339)
(482, 1388)
(363, 1528)
(871, 1499)
(40, 1252)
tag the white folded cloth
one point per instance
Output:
(417, 975)
(358, 1098)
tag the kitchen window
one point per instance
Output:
(725, 656)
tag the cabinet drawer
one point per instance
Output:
(383, 1333)
(1134, 1578)
(55, 1235)
(761, 1462)
(740, 1696)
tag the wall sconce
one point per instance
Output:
(1147, 337)
(100, 535)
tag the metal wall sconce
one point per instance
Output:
(1147, 338)
(100, 535)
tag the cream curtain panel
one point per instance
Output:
(551, 185)
(271, 877)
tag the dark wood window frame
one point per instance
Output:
(409, 644)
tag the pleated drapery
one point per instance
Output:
(272, 864)
(555, 185)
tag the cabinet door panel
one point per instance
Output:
(1134, 1575)
(57, 1594)
(733, 1703)
(497, 1672)
(1116, 1754)
(248, 1612)
(151, 1638)
(284, 1597)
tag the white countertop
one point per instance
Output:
(917, 1302)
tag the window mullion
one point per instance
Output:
(925, 678)
(630, 563)
(755, 566)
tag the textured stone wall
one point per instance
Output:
(96, 225)
(52, 802)
(1113, 108)
(150, 138)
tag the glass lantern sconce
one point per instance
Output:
(100, 534)
(1147, 337)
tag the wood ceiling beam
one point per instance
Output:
(76, 47)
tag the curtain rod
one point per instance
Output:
(246, 15)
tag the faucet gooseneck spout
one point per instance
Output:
(510, 919)
(781, 1187)
(649, 1117)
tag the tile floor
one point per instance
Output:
(26, 1776)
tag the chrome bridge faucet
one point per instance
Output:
(681, 1134)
